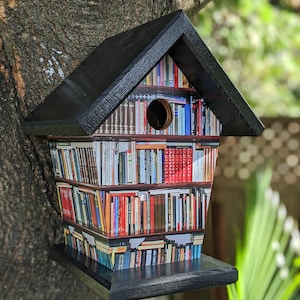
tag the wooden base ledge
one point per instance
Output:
(145, 282)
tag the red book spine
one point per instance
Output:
(144, 203)
(152, 224)
(67, 203)
(132, 201)
(183, 164)
(189, 168)
(180, 164)
(176, 170)
(121, 216)
(157, 213)
(114, 213)
(172, 165)
(91, 198)
(167, 165)
(175, 68)
(162, 212)
(126, 214)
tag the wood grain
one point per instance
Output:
(147, 281)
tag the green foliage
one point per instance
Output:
(258, 45)
(268, 256)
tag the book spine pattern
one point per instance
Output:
(191, 116)
(166, 73)
(135, 212)
(74, 161)
(125, 163)
(143, 224)
(124, 253)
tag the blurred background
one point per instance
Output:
(257, 42)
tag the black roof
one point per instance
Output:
(82, 102)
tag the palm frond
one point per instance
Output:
(267, 255)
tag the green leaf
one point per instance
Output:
(268, 266)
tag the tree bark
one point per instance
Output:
(41, 42)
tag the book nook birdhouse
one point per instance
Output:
(133, 134)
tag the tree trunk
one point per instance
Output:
(41, 42)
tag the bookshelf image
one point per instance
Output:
(133, 154)
(134, 195)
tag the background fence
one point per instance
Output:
(239, 158)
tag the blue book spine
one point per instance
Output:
(127, 259)
(187, 109)
(88, 209)
(199, 250)
(104, 259)
(157, 75)
(97, 213)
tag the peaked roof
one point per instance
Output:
(82, 102)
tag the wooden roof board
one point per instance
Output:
(206, 75)
(82, 102)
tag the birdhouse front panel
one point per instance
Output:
(133, 134)
(137, 191)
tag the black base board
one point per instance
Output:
(145, 282)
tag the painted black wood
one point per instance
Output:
(82, 102)
(148, 281)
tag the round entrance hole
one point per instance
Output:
(159, 114)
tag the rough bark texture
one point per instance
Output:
(41, 42)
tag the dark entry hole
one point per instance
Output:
(159, 114)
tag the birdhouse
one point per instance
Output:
(133, 134)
